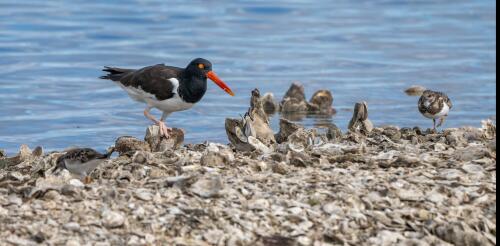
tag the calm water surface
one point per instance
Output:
(51, 53)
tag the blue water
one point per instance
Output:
(51, 53)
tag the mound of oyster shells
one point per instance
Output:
(294, 105)
(299, 186)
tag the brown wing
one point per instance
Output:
(84, 155)
(444, 98)
(436, 106)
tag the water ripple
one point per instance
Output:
(51, 53)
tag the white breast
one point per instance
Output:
(168, 106)
(82, 169)
(173, 104)
(444, 112)
(136, 94)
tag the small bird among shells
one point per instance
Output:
(82, 161)
(435, 105)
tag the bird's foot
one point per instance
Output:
(441, 122)
(164, 130)
(87, 180)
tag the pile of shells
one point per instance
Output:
(295, 187)
(294, 101)
(253, 131)
(294, 105)
(360, 122)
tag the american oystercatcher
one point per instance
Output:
(434, 105)
(169, 89)
(82, 161)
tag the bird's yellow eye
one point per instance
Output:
(201, 66)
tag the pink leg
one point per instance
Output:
(168, 129)
(441, 121)
(163, 128)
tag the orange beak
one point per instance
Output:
(212, 76)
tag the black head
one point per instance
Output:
(199, 67)
(202, 68)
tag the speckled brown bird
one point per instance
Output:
(435, 105)
(82, 161)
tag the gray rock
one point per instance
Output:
(158, 143)
(470, 153)
(14, 200)
(70, 190)
(287, 128)
(460, 234)
(216, 155)
(76, 183)
(72, 226)
(143, 194)
(208, 187)
(474, 169)
(113, 219)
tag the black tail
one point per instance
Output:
(115, 73)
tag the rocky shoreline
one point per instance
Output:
(392, 186)
(369, 186)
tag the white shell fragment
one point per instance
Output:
(208, 187)
(112, 219)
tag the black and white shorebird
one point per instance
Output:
(169, 89)
(435, 105)
(82, 161)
